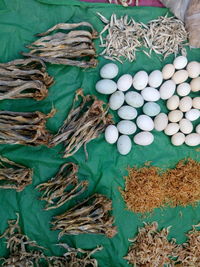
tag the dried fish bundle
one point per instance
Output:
(13, 175)
(72, 45)
(24, 78)
(90, 216)
(85, 121)
(25, 128)
(63, 187)
(124, 3)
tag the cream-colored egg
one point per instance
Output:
(155, 78)
(180, 62)
(183, 89)
(198, 129)
(196, 102)
(180, 76)
(168, 71)
(193, 114)
(186, 126)
(175, 115)
(185, 103)
(173, 102)
(195, 84)
(150, 94)
(193, 69)
(167, 89)
(172, 128)
(145, 123)
(140, 80)
(143, 138)
(178, 139)
(160, 122)
(192, 139)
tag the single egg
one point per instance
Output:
(186, 126)
(124, 144)
(109, 71)
(127, 112)
(126, 127)
(193, 114)
(167, 89)
(183, 89)
(155, 78)
(150, 94)
(145, 123)
(140, 80)
(116, 100)
(175, 115)
(151, 109)
(196, 102)
(111, 134)
(172, 128)
(143, 138)
(124, 82)
(160, 122)
(180, 62)
(195, 84)
(192, 139)
(178, 139)
(198, 129)
(193, 69)
(106, 86)
(134, 99)
(168, 71)
(185, 103)
(173, 102)
(180, 76)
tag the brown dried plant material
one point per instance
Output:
(91, 216)
(63, 187)
(24, 78)
(86, 121)
(13, 175)
(151, 247)
(26, 128)
(69, 45)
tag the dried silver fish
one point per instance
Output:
(124, 3)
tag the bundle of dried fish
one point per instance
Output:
(24, 78)
(13, 175)
(73, 47)
(74, 257)
(90, 216)
(26, 128)
(63, 187)
(124, 3)
(19, 246)
(85, 121)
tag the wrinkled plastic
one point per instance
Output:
(178, 7)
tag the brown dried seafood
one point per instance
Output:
(63, 187)
(26, 128)
(85, 121)
(70, 45)
(124, 3)
(90, 216)
(13, 175)
(24, 78)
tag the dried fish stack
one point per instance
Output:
(13, 175)
(85, 121)
(124, 3)
(26, 128)
(24, 78)
(90, 216)
(63, 187)
(70, 45)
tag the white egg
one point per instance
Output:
(111, 134)
(160, 122)
(109, 71)
(155, 78)
(151, 109)
(185, 103)
(196, 102)
(124, 144)
(193, 69)
(167, 89)
(195, 84)
(168, 71)
(134, 99)
(145, 123)
(178, 139)
(193, 114)
(126, 127)
(180, 76)
(180, 62)
(175, 115)
(116, 100)
(127, 113)
(140, 80)
(198, 129)
(143, 138)
(192, 139)
(183, 89)
(150, 94)
(106, 86)
(172, 128)
(186, 126)
(124, 82)
(173, 102)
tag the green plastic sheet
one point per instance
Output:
(20, 20)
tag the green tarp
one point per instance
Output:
(20, 20)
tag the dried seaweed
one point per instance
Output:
(85, 121)
(70, 45)
(24, 78)
(90, 216)
(63, 187)
(26, 128)
(13, 175)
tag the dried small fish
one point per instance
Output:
(85, 121)
(24, 78)
(63, 187)
(73, 47)
(90, 216)
(26, 128)
(13, 175)
(124, 3)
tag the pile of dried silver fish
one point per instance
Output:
(85, 121)
(70, 45)
(24, 78)
(63, 187)
(90, 216)
(13, 175)
(124, 3)
(26, 128)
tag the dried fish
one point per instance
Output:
(70, 45)
(86, 120)
(13, 175)
(63, 187)
(124, 3)
(26, 128)
(90, 216)
(24, 78)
